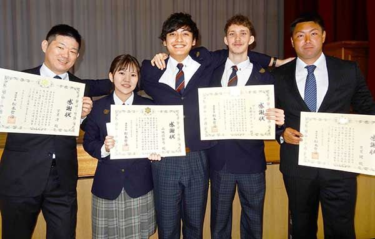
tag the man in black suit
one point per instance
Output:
(317, 83)
(40, 172)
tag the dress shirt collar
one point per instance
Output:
(240, 66)
(319, 63)
(118, 101)
(46, 72)
(172, 63)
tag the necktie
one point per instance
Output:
(233, 77)
(57, 77)
(310, 88)
(180, 79)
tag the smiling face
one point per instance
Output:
(238, 39)
(307, 40)
(60, 54)
(125, 81)
(179, 43)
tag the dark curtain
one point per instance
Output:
(345, 20)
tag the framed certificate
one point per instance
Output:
(236, 112)
(39, 105)
(140, 130)
(338, 141)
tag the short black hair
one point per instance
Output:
(177, 21)
(307, 17)
(64, 30)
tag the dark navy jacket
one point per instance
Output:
(111, 176)
(163, 94)
(240, 156)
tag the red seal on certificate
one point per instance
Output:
(11, 119)
(214, 129)
(125, 147)
(315, 155)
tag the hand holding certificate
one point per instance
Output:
(338, 141)
(236, 112)
(142, 130)
(39, 105)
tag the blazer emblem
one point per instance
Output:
(197, 54)
(106, 111)
(262, 70)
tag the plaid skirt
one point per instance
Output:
(124, 217)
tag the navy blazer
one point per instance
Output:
(111, 176)
(163, 94)
(26, 160)
(240, 156)
(347, 88)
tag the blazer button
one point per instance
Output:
(182, 98)
(123, 170)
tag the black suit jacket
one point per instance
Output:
(27, 158)
(347, 88)
(111, 176)
(240, 156)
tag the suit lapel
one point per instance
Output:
(254, 76)
(333, 76)
(107, 108)
(292, 85)
(197, 75)
(157, 74)
(217, 76)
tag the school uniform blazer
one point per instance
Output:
(347, 88)
(240, 156)
(27, 158)
(111, 176)
(163, 94)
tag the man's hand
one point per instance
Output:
(292, 136)
(159, 60)
(276, 114)
(86, 107)
(154, 157)
(109, 143)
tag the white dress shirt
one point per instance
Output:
(243, 73)
(46, 72)
(189, 68)
(321, 76)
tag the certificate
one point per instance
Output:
(338, 141)
(236, 112)
(140, 130)
(39, 105)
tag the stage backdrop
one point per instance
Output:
(114, 27)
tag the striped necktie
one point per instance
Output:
(233, 77)
(180, 79)
(310, 88)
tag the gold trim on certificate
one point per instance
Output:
(140, 130)
(236, 112)
(343, 142)
(39, 105)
